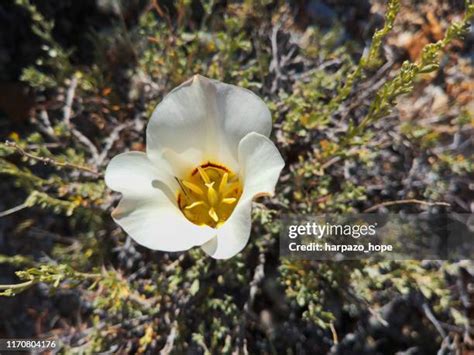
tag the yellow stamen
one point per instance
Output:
(223, 183)
(213, 215)
(194, 204)
(194, 188)
(209, 194)
(204, 176)
(229, 200)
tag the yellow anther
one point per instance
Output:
(213, 215)
(229, 200)
(194, 204)
(193, 187)
(212, 194)
(204, 175)
(223, 183)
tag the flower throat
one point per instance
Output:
(209, 194)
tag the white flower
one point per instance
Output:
(207, 157)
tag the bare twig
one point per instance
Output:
(87, 142)
(258, 276)
(14, 210)
(335, 338)
(404, 202)
(67, 110)
(46, 126)
(330, 162)
(308, 73)
(19, 286)
(433, 320)
(51, 161)
(275, 63)
(109, 142)
(170, 339)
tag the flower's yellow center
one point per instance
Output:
(209, 194)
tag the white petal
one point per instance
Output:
(159, 225)
(242, 112)
(133, 174)
(261, 166)
(202, 120)
(233, 236)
